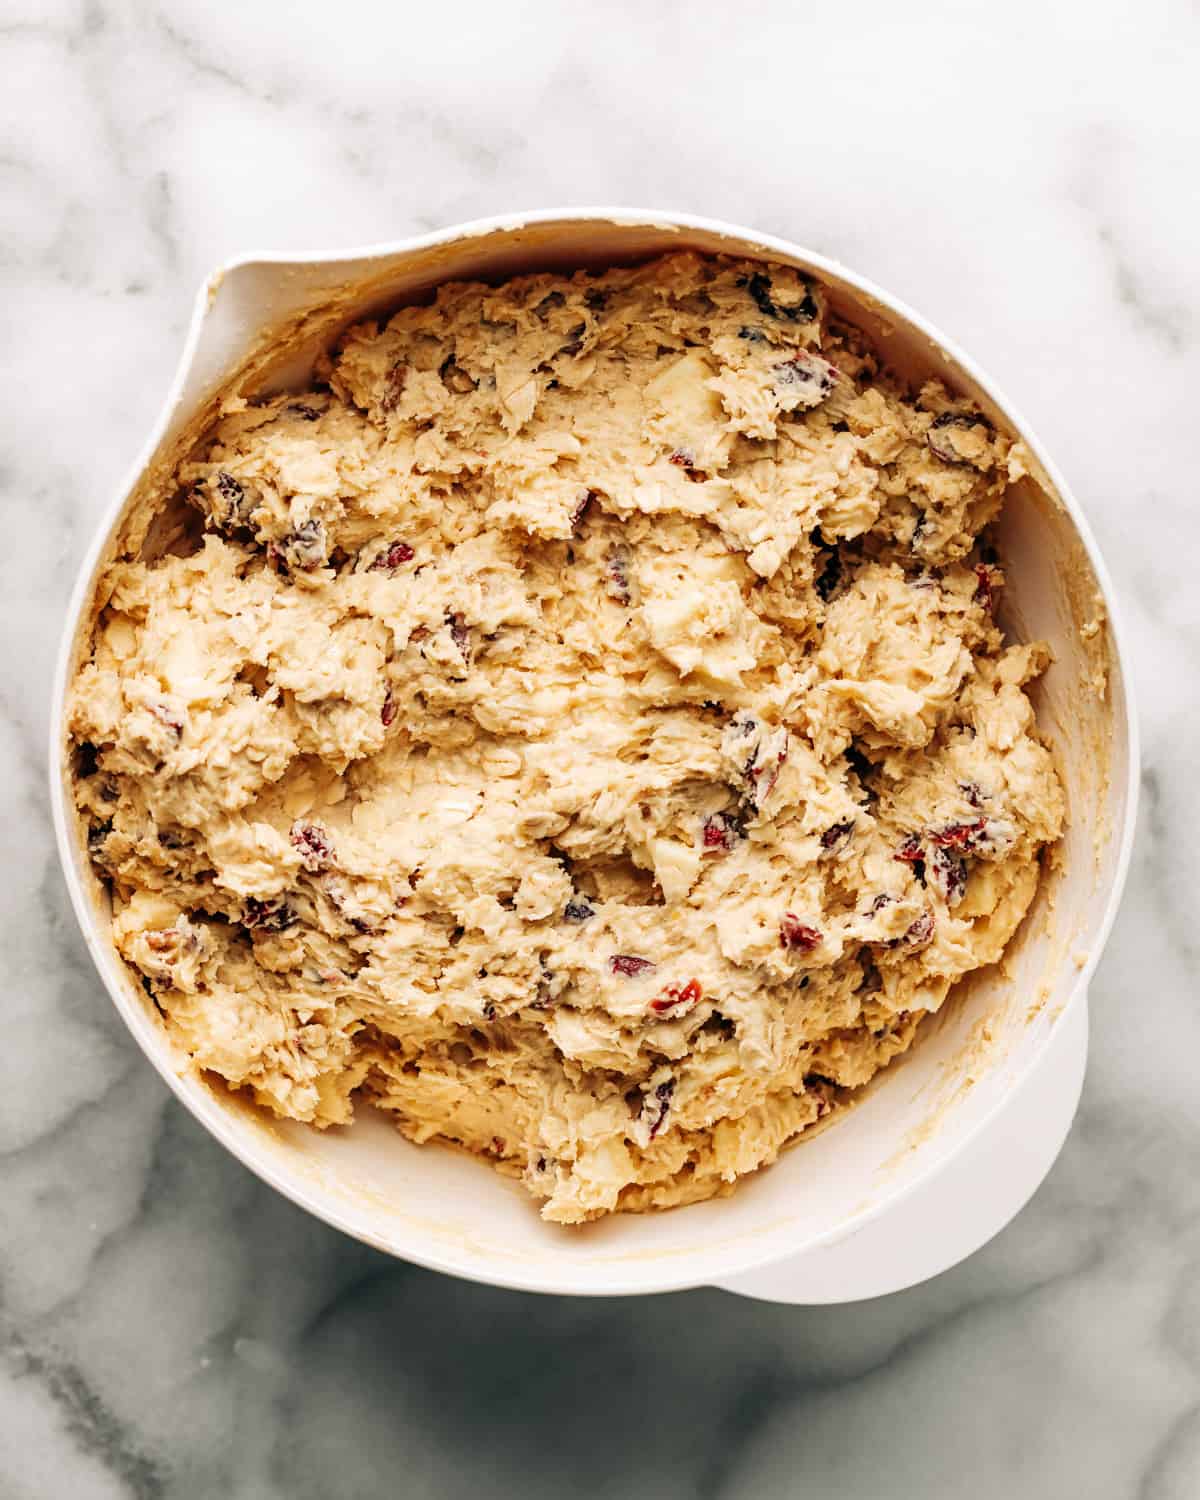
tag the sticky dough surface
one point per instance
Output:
(576, 724)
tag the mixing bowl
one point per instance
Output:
(261, 320)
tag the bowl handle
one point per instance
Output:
(948, 1218)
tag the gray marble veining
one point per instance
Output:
(171, 1328)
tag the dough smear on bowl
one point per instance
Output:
(580, 728)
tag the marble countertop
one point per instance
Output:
(169, 1327)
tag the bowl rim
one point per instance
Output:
(570, 1278)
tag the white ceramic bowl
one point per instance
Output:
(444, 1210)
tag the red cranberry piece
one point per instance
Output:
(911, 851)
(765, 758)
(685, 459)
(965, 836)
(720, 831)
(389, 710)
(677, 999)
(985, 588)
(839, 834)
(919, 934)
(798, 935)
(396, 554)
(630, 966)
(314, 846)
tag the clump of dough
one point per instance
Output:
(582, 730)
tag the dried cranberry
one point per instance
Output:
(460, 635)
(685, 459)
(389, 710)
(656, 1105)
(912, 852)
(766, 758)
(229, 504)
(313, 844)
(273, 915)
(720, 831)
(985, 588)
(303, 549)
(396, 554)
(948, 872)
(965, 836)
(674, 998)
(793, 933)
(229, 488)
(804, 380)
(582, 506)
(616, 570)
(629, 965)
(577, 910)
(919, 934)
(838, 834)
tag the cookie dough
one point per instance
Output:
(577, 724)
